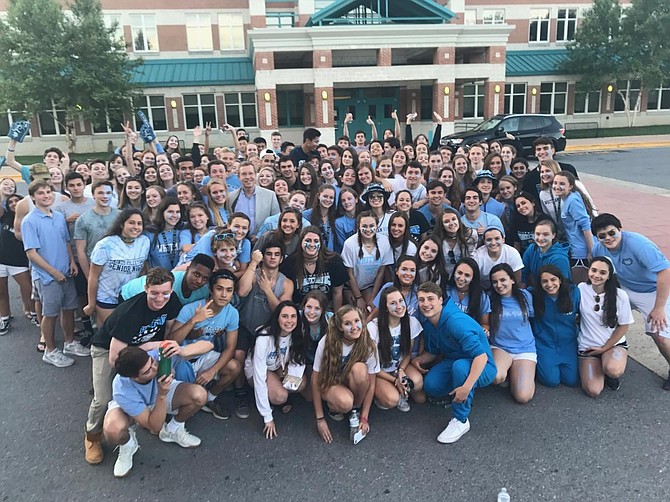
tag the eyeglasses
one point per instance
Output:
(596, 307)
(603, 235)
(220, 237)
(452, 256)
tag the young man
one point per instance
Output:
(474, 217)
(185, 168)
(391, 145)
(486, 182)
(476, 156)
(53, 157)
(275, 139)
(287, 171)
(466, 364)
(46, 241)
(436, 203)
(213, 320)
(256, 202)
(644, 274)
(435, 165)
(335, 157)
(139, 398)
(544, 150)
(413, 174)
(286, 148)
(343, 142)
(310, 140)
(143, 321)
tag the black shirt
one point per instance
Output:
(12, 252)
(334, 276)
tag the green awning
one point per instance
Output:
(195, 72)
(391, 11)
(528, 63)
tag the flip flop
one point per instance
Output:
(41, 346)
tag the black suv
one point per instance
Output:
(525, 128)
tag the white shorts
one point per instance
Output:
(206, 361)
(523, 356)
(9, 270)
(170, 395)
(644, 303)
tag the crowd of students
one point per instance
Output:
(353, 274)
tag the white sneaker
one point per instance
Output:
(75, 348)
(403, 404)
(182, 437)
(124, 462)
(57, 359)
(454, 431)
(379, 405)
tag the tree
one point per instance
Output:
(72, 63)
(614, 43)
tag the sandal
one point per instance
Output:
(41, 346)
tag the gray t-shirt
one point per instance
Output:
(255, 310)
(92, 227)
(68, 208)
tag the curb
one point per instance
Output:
(615, 146)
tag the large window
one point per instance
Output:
(290, 109)
(144, 32)
(199, 32)
(553, 97)
(231, 32)
(659, 98)
(539, 25)
(426, 102)
(279, 19)
(515, 98)
(200, 109)
(473, 101)
(114, 21)
(7, 119)
(241, 109)
(109, 122)
(52, 122)
(154, 108)
(493, 16)
(566, 25)
(630, 89)
(587, 102)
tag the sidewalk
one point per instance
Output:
(616, 143)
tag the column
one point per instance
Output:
(324, 110)
(443, 104)
(267, 111)
(494, 98)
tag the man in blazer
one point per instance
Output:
(256, 202)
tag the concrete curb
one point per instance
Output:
(615, 146)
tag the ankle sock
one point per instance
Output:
(210, 396)
(174, 426)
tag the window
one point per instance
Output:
(659, 98)
(539, 25)
(109, 122)
(630, 89)
(290, 110)
(231, 32)
(200, 109)
(470, 17)
(515, 98)
(114, 21)
(154, 108)
(50, 126)
(241, 109)
(426, 102)
(553, 97)
(494, 16)
(473, 101)
(587, 102)
(7, 119)
(144, 32)
(279, 20)
(199, 32)
(566, 25)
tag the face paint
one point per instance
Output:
(310, 245)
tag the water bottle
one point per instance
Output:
(354, 422)
(164, 364)
(503, 496)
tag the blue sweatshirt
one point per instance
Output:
(556, 332)
(575, 221)
(534, 260)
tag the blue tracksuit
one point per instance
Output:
(534, 259)
(459, 339)
(556, 343)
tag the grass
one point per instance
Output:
(618, 131)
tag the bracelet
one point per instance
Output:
(364, 420)
(320, 418)
(358, 297)
(10, 150)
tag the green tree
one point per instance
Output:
(613, 43)
(71, 61)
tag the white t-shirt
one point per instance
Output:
(592, 332)
(415, 329)
(372, 362)
(366, 267)
(508, 255)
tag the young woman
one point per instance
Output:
(120, 176)
(149, 175)
(406, 279)
(544, 250)
(266, 178)
(164, 236)
(494, 163)
(172, 145)
(348, 177)
(327, 172)
(148, 158)
(187, 192)
(507, 152)
(397, 336)
(376, 197)
(507, 188)
(239, 227)
(410, 152)
(349, 158)
(466, 292)
(197, 216)
(418, 225)
(132, 196)
(217, 194)
(7, 188)
(511, 336)
(519, 169)
(116, 259)
(166, 175)
(495, 146)
(153, 197)
(349, 387)
(464, 173)
(366, 256)
(323, 214)
(84, 170)
(576, 212)
(287, 232)
(556, 305)
(400, 160)
(457, 240)
(345, 223)
(399, 237)
(431, 262)
(524, 219)
(605, 315)
(453, 197)
(365, 175)
(495, 252)
(224, 250)
(56, 180)
(276, 364)
(308, 182)
(315, 318)
(282, 193)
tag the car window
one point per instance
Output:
(510, 124)
(530, 123)
(546, 122)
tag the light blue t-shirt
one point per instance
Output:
(637, 261)
(121, 263)
(425, 211)
(204, 246)
(164, 250)
(485, 220)
(48, 235)
(186, 238)
(575, 221)
(224, 322)
(485, 303)
(515, 334)
(411, 300)
(136, 286)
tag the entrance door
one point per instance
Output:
(378, 103)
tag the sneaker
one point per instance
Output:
(403, 404)
(182, 437)
(4, 326)
(334, 415)
(454, 431)
(612, 383)
(379, 405)
(34, 320)
(242, 407)
(218, 409)
(75, 348)
(124, 462)
(57, 359)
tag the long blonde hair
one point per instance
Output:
(214, 209)
(332, 372)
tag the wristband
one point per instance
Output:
(364, 420)
(358, 297)
(320, 418)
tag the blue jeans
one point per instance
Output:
(449, 374)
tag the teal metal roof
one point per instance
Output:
(196, 71)
(541, 62)
(391, 11)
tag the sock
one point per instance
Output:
(210, 396)
(86, 323)
(173, 425)
(131, 441)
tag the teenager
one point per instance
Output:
(524, 219)
(544, 250)
(323, 214)
(418, 225)
(376, 197)
(473, 216)
(436, 202)
(466, 292)
(431, 262)
(457, 240)
(290, 223)
(153, 196)
(486, 182)
(345, 223)
(198, 223)
(164, 236)
(217, 195)
(493, 252)
(399, 237)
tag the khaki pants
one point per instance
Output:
(103, 374)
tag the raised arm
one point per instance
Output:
(345, 126)
(373, 127)
(396, 131)
(437, 136)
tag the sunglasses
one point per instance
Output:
(596, 307)
(452, 256)
(220, 237)
(603, 235)
(375, 197)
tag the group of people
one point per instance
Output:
(354, 274)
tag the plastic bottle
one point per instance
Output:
(503, 496)
(164, 364)
(354, 422)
